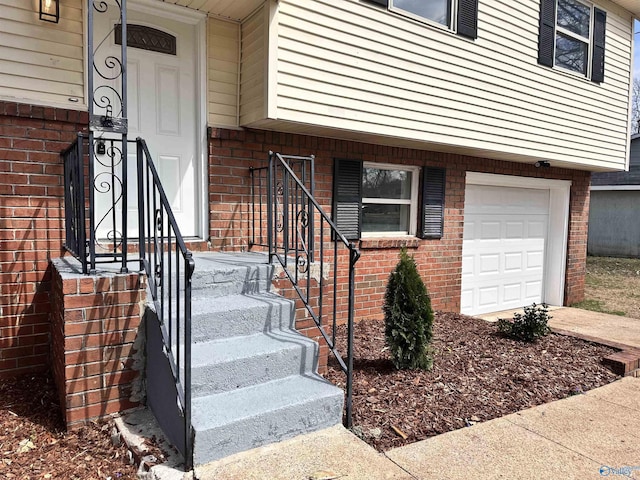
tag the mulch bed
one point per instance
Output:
(35, 445)
(477, 375)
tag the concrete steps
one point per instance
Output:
(254, 378)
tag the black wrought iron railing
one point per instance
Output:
(317, 259)
(74, 199)
(258, 232)
(169, 266)
(97, 212)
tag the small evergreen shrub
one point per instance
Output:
(527, 327)
(408, 316)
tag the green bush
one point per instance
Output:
(408, 316)
(527, 327)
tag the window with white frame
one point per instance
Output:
(457, 16)
(438, 11)
(573, 35)
(389, 199)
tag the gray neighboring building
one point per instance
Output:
(614, 215)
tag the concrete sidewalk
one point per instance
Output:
(606, 328)
(575, 438)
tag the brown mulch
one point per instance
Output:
(35, 445)
(477, 375)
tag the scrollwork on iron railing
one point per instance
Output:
(279, 204)
(302, 228)
(107, 183)
(108, 103)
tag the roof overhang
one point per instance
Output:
(235, 10)
(632, 5)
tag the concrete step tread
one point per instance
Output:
(236, 348)
(202, 302)
(220, 409)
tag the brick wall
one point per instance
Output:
(232, 153)
(97, 346)
(31, 226)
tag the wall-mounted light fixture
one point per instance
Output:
(542, 164)
(50, 10)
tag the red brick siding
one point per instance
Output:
(96, 341)
(232, 153)
(31, 226)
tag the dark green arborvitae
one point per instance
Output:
(408, 316)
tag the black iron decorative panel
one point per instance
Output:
(147, 38)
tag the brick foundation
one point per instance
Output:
(96, 341)
(31, 227)
(232, 153)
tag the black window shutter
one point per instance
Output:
(597, 60)
(432, 219)
(347, 197)
(468, 18)
(547, 33)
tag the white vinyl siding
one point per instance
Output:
(222, 66)
(42, 62)
(360, 69)
(253, 67)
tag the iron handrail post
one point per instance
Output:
(188, 431)
(141, 227)
(310, 209)
(125, 187)
(270, 209)
(353, 258)
(252, 216)
(92, 220)
(82, 233)
(123, 56)
(92, 239)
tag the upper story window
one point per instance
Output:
(438, 11)
(572, 37)
(460, 16)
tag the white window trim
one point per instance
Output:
(452, 20)
(578, 37)
(412, 202)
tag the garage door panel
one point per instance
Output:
(536, 228)
(535, 260)
(489, 263)
(512, 292)
(466, 300)
(490, 230)
(488, 297)
(513, 262)
(506, 200)
(467, 265)
(514, 230)
(503, 247)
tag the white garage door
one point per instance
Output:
(503, 252)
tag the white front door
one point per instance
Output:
(503, 249)
(162, 99)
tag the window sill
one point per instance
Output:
(389, 243)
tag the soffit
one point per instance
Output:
(231, 9)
